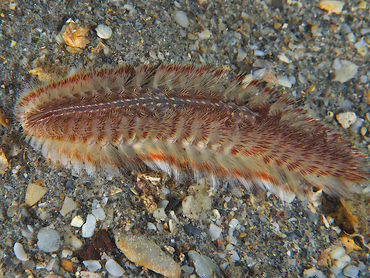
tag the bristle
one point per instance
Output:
(181, 119)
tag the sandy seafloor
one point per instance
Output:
(273, 239)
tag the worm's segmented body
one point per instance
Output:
(188, 119)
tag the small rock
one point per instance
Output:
(92, 265)
(343, 261)
(148, 254)
(336, 64)
(205, 34)
(259, 53)
(89, 274)
(347, 71)
(68, 206)
(187, 269)
(72, 240)
(241, 55)
(69, 184)
(335, 270)
(3, 161)
(34, 193)
(361, 47)
(364, 78)
(215, 231)
(114, 268)
(355, 127)
(284, 81)
(351, 271)
(67, 264)
(204, 266)
(346, 119)
(52, 265)
(337, 252)
(103, 31)
(160, 214)
(67, 253)
(4, 122)
(48, 240)
(181, 18)
(282, 57)
(332, 6)
(128, 7)
(89, 227)
(19, 252)
(98, 213)
(234, 255)
(77, 221)
(74, 35)
(151, 226)
(310, 272)
(12, 209)
(194, 205)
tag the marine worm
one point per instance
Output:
(184, 119)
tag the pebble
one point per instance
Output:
(355, 127)
(361, 47)
(72, 240)
(89, 274)
(310, 272)
(89, 227)
(284, 81)
(103, 31)
(52, 265)
(364, 31)
(335, 270)
(67, 264)
(114, 268)
(48, 240)
(19, 252)
(343, 261)
(181, 18)
(160, 214)
(350, 271)
(215, 231)
(92, 265)
(331, 6)
(3, 121)
(151, 226)
(74, 36)
(337, 252)
(346, 119)
(67, 253)
(345, 71)
(34, 193)
(205, 34)
(3, 160)
(336, 64)
(68, 206)
(233, 224)
(234, 255)
(98, 213)
(259, 53)
(362, 266)
(148, 254)
(128, 7)
(282, 57)
(204, 266)
(77, 221)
